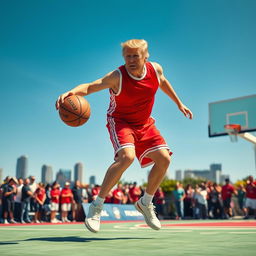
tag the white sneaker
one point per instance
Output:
(149, 214)
(6, 222)
(92, 220)
(54, 221)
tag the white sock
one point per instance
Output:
(99, 201)
(147, 199)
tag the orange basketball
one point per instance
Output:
(75, 110)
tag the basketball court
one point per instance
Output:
(131, 238)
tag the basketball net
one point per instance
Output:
(233, 130)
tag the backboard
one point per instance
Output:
(232, 111)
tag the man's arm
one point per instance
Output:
(109, 81)
(167, 88)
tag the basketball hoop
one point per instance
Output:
(232, 130)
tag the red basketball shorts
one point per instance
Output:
(144, 138)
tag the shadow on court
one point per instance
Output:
(75, 239)
(81, 239)
(8, 243)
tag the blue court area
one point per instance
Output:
(131, 238)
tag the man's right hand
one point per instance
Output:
(61, 98)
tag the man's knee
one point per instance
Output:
(163, 158)
(126, 157)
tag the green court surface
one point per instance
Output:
(131, 238)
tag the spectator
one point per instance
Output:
(179, 195)
(5, 183)
(250, 202)
(17, 206)
(159, 201)
(55, 199)
(200, 198)
(118, 194)
(226, 193)
(66, 198)
(188, 207)
(85, 193)
(8, 199)
(241, 197)
(127, 199)
(26, 196)
(135, 193)
(77, 211)
(33, 187)
(40, 197)
(216, 203)
(47, 203)
(95, 191)
(209, 189)
(109, 198)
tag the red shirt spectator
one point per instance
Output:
(134, 193)
(55, 195)
(95, 191)
(109, 198)
(66, 196)
(251, 189)
(159, 196)
(227, 191)
(118, 195)
(40, 194)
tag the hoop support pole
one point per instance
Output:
(248, 136)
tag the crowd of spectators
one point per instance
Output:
(212, 201)
(26, 201)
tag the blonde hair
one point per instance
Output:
(136, 43)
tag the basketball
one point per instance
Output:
(75, 110)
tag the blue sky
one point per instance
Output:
(207, 50)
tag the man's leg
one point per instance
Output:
(144, 205)
(162, 160)
(115, 171)
(112, 176)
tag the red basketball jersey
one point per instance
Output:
(134, 101)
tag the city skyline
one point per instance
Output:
(213, 173)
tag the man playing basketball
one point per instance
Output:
(132, 130)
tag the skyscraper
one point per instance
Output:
(63, 176)
(92, 180)
(78, 172)
(22, 167)
(47, 174)
(215, 170)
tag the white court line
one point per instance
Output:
(209, 233)
(242, 232)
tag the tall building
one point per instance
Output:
(62, 176)
(92, 180)
(78, 172)
(215, 170)
(22, 167)
(47, 174)
(1, 175)
(178, 175)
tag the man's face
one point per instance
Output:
(135, 59)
